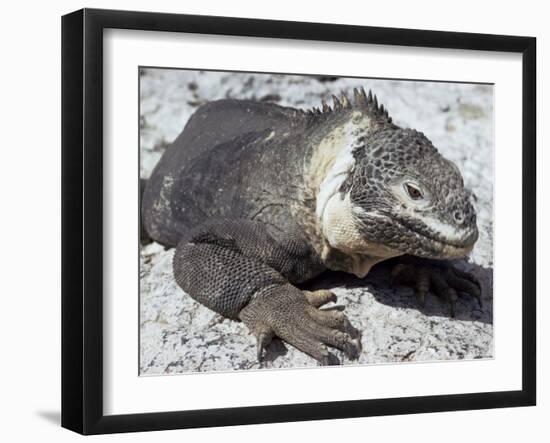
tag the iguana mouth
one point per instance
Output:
(451, 246)
(431, 244)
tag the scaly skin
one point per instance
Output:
(257, 198)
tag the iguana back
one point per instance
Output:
(221, 165)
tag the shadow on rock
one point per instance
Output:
(378, 284)
(275, 349)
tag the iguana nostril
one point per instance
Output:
(458, 216)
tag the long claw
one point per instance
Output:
(263, 340)
(340, 308)
(422, 285)
(452, 297)
(421, 296)
(359, 344)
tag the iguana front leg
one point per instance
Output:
(445, 280)
(237, 269)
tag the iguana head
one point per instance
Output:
(395, 194)
(404, 194)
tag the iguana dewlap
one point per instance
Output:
(257, 198)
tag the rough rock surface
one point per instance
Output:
(179, 335)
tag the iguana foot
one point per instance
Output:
(294, 316)
(442, 279)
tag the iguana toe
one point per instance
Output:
(445, 281)
(320, 297)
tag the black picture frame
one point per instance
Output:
(82, 219)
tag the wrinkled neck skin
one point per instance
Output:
(339, 243)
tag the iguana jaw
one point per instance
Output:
(345, 247)
(449, 248)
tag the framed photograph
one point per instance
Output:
(270, 221)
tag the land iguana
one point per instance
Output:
(258, 198)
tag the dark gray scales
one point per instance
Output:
(211, 169)
(237, 194)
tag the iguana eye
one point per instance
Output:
(413, 191)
